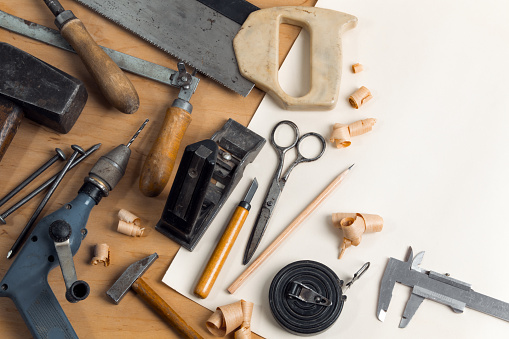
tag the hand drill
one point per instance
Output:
(55, 240)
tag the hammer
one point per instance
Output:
(131, 278)
(41, 92)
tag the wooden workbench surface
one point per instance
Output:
(97, 317)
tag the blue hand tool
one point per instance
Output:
(54, 241)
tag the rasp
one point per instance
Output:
(124, 61)
(188, 30)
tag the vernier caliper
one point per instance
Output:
(435, 286)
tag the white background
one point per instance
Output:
(435, 167)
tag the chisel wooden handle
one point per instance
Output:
(161, 158)
(114, 84)
(158, 304)
(221, 252)
(10, 119)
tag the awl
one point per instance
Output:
(114, 85)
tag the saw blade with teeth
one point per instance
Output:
(188, 30)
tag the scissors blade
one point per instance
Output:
(263, 219)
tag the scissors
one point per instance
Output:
(278, 183)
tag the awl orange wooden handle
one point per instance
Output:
(223, 248)
(160, 161)
(114, 84)
(154, 300)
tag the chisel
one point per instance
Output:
(225, 244)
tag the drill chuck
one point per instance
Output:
(109, 169)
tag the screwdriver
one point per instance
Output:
(225, 244)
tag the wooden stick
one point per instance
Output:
(288, 230)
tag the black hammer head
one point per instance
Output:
(130, 275)
(47, 95)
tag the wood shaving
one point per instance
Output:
(129, 229)
(342, 134)
(101, 254)
(127, 216)
(230, 317)
(354, 225)
(356, 68)
(360, 97)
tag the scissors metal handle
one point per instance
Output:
(278, 183)
(283, 149)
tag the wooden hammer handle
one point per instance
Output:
(221, 252)
(114, 84)
(154, 300)
(161, 159)
(10, 119)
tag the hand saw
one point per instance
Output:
(189, 30)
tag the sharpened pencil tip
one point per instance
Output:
(351, 166)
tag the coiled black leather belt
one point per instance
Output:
(306, 297)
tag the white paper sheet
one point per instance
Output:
(434, 167)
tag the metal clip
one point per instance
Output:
(357, 275)
(302, 292)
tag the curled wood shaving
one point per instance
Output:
(356, 68)
(342, 134)
(230, 317)
(354, 225)
(129, 229)
(101, 254)
(127, 216)
(360, 97)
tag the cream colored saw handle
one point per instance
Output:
(257, 50)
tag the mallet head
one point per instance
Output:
(47, 95)
(130, 275)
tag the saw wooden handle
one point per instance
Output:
(161, 158)
(221, 252)
(114, 84)
(10, 119)
(256, 47)
(164, 310)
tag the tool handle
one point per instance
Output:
(161, 158)
(154, 300)
(42, 313)
(221, 252)
(114, 84)
(10, 119)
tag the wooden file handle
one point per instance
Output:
(114, 84)
(161, 158)
(10, 118)
(221, 252)
(164, 310)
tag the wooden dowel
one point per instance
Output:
(289, 229)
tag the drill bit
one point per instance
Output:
(137, 132)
